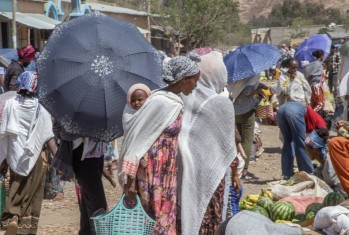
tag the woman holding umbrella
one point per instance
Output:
(148, 164)
(245, 104)
(244, 65)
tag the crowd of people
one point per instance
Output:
(199, 144)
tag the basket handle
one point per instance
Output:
(122, 201)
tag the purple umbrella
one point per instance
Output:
(315, 42)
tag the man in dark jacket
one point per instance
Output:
(25, 55)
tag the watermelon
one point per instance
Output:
(266, 203)
(333, 199)
(312, 209)
(299, 217)
(282, 211)
(259, 210)
(310, 215)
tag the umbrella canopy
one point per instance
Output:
(250, 60)
(86, 69)
(308, 46)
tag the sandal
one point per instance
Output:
(12, 227)
(246, 177)
(58, 197)
(249, 176)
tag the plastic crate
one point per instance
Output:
(2, 193)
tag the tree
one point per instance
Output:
(134, 4)
(288, 11)
(346, 22)
(199, 23)
(259, 22)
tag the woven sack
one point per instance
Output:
(264, 110)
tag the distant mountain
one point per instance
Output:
(250, 8)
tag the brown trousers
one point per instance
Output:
(25, 197)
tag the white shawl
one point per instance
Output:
(25, 127)
(143, 127)
(206, 142)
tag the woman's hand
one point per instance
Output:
(235, 180)
(258, 92)
(144, 162)
(131, 192)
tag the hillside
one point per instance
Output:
(250, 8)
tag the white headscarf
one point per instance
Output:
(206, 142)
(237, 87)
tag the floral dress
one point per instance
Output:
(157, 179)
(213, 216)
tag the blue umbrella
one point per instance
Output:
(250, 60)
(86, 69)
(315, 42)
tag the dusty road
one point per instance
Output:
(63, 217)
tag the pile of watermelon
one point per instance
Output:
(275, 211)
(285, 212)
(331, 199)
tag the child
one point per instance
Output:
(136, 96)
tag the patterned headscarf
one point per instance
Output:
(178, 68)
(316, 142)
(28, 81)
(27, 53)
(193, 56)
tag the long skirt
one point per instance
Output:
(24, 199)
(213, 215)
(338, 148)
(157, 180)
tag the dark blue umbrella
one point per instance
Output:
(250, 60)
(86, 69)
(308, 46)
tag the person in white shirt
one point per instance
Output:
(25, 127)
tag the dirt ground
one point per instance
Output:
(62, 217)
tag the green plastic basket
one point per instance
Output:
(2, 193)
(121, 220)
